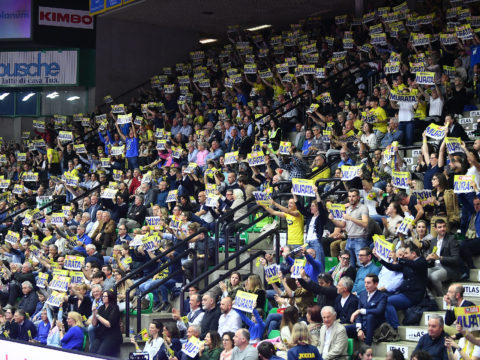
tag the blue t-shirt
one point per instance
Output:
(303, 352)
(132, 147)
(427, 177)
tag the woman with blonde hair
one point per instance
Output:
(74, 337)
(254, 285)
(301, 344)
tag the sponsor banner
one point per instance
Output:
(74, 262)
(303, 187)
(337, 211)
(463, 184)
(468, 317)
(383, 247)
(245, 301)
(435, 131)
(38, 68)
(64, 17)
(425, 78)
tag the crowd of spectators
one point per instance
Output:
(115, 189)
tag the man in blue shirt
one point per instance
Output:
(393, 134)
(26, 329)
(313, 267)
(366, 267)
(434, 342)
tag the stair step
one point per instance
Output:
(427, 314)
(406, 347)
(443, 306)
(412, 333)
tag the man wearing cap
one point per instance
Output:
(135, 215)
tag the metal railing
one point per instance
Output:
(227, 260)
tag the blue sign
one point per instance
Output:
(97, 6)
(113, 3)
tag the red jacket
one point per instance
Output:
(136, 182)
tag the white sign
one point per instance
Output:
(403, 349)
(413, 334)
(38, 68)
(429, 315)
(471, 290)
(65, 18)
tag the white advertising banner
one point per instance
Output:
(64, 17)
(38, 68)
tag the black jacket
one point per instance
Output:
(210, 321)
(450, 314)
(344, 313)
(450, 253)
(327, 294)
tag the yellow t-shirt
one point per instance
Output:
(381, 123)
(324, 174)
(295, 229)
(421, 112)
(53, 156)
(199, 120)
(277, 91)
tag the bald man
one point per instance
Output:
(229, 320)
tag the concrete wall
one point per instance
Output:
(130, 53)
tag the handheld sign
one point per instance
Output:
(12, 237)
(401, 179)
(172, 196)
(468, 317)
(284, 148)
(406, 222)
(454, 145)
(153, 221)
(59, 283)
(262, 198)
(256, 158)
(424, 197)
(55, 299)
(74, 262)
(271, 274)
(231, 158)
(303, 187)
(109, 193)
(383, 247)
(435, 132)
(425, 78)
(117, 150)
(149, 243)
(245, 301)
(192, 347)
(42, 280)
(462, 184)
(57, 218)
(298, 266)
(76, 277)
(350, 172)
(337, 211)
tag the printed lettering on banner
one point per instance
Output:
(42, 280)
(271, 274)
(192, 347)
(71, 18)
(471, 290)
(109, 193)
(337, 211)
(76, 277)
(262, 198)
(406, 222)
(401, 179)
(231, 158)
(59, 283)
(424, 197)
(425, 78)
(401, 348)
(12, 237)
(284, 148)
(55, 298)
(350, 172)
(123, 119)
(117, 150)
(303, 187)
(435, 131)
(454, 145)
(256, 158)
(413, 334)
(245, 301)
(172, 196)
(298, 266)
(383, 247)
(150, 243)
(74, 262)
(153, 221)
(57, 218)
(462, 184)
(468, 317)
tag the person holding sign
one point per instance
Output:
(131, 145)
(412, 289)
(355, 223)
(434, 164)
(295, 220)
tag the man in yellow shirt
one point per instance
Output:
(294, 220)
(380, 116)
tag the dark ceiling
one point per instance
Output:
(212, 17)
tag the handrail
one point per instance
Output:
(148, 276)
(228, 259)
(13, 206)
(51, 203)
(153, 260)
(228, 213)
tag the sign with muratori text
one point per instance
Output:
(38, 68)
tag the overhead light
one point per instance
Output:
(4, 95)
(207, 41)
(72, 98)
(28, 96)
(53, 95)
(259, 27)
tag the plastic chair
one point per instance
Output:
(350, 348)
(273, 311)
(149, 309)
(273, 334)
(330, 262)
(85, 338)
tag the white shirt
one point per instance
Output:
(311, 234)
(406, 111)
(467, 349)
(343, 300)
(439, 249)
(328, 339)
(229, 322)
(152, 347)
(436, 107)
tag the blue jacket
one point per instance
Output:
(303, 352)
(435, 347)
(256, 328)
(376, 306)
(23, 330)
(313, 267)
(43, 329)
(363, 271)
(73, 338)
(345, 312)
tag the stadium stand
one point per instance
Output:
(297, 194)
